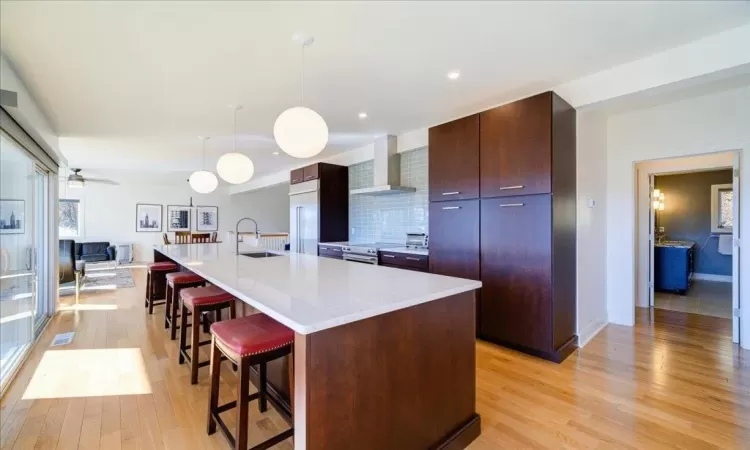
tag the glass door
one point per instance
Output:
(24, 253)
(41, 249)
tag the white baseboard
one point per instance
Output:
(712, 277)
(591, 330)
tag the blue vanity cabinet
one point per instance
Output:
(673, 265)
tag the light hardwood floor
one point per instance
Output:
(674, 380)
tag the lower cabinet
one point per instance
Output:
(330, 251)
(454, 238)
(419, 263)
(516, 271)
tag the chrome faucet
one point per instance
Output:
(237, 233)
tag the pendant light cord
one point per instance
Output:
(204, 152)
(302, 100)
(234, 148)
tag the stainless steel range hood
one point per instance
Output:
(387, 170)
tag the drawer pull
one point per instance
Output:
(412, 259)
(510, 205)
(336, 249)
(388, 256)
(451, 207)
(507, 188)
(451, 193)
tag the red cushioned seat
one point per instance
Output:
(183, 278)
(162, 266)
(251, 335)
(200, 296)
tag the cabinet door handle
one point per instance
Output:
(510, 205)
(507, 188)
(412, 258)
(451, 207)
(309, 176)
(388, 256)
(451, 193)
(336, 249)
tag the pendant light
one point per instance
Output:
(235, 167)
(300, 131)
(203, 181)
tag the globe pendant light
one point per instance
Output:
(235, 167)
(203, 181)
(300, 131)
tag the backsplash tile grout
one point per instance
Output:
(387, 218)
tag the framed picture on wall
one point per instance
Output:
(147, 217)
(12, 216)
(207, 218)
(178, 218)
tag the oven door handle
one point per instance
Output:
(361, 259)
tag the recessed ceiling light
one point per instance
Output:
(363, 115)
(275, 153)
(454, 75)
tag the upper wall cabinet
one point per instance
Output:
(308, 173)
(454, 160)
(516, 148)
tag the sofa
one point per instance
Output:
(94, 251)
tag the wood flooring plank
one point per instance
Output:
(53, 422)
(111, 435)
(71, 427)
(129, 423)
(92, 424)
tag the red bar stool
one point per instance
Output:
(247, 341)
(156, 282)
(195, 302)
(177, 281)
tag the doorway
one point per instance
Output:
(688, 228)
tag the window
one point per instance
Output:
(722, 208)
(70, 218)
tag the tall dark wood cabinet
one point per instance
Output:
(526, 220)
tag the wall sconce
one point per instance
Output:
(658, 202)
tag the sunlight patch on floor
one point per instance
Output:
(89, 373)
(88, 307)
(100, 275)
(100, 287)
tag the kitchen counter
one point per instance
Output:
(308, 293)
(375, 349)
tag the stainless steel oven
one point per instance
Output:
(364, 259)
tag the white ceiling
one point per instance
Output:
(130, 85)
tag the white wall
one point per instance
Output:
(591, 224)
(109, 211)
(699, 125)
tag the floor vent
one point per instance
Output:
(63, 339)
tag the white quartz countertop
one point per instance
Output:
(308, 293)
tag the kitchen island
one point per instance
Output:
(383, 358)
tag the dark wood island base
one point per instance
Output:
(401, 380)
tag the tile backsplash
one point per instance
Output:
(387, 218)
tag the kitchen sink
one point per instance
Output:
(259, 254)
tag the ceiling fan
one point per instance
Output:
(75, 179)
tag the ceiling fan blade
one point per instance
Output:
(101, 181)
